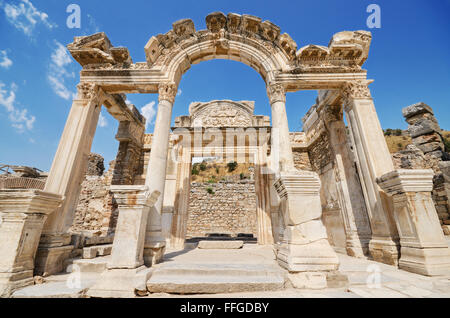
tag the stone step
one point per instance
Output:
(96, 265)
(98, 250)
(215, 278)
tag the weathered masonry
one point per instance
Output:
(351, 198)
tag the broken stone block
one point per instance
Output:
(416, 109)
(308, 280)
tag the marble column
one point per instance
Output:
(424, 249)
(353, 208)
(65, 178)
(373, 160)
(22, 216)
(156, 173)
(281, 150)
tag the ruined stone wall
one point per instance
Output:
(231, 209)
(301, 160)
(320, 153)
(427, 151)
(97, 210)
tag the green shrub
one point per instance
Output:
(195, 172)
(447, 144)
(232, 166)
(397, 132)
(203, 166)
(210, 191)
(242, 176)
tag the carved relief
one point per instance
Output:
(223, 116)
(331, 113)
(86, 90)
(276, 93)
(167, 91)
(355, 90)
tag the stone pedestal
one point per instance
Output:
(305, 247)
(126, 272)
(22, 217)
(424, 249)
(134, 204)
(53, 250)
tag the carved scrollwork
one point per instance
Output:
(167, 91)
(86, 91)
(356, 90)
(332, 113)
(276, 93)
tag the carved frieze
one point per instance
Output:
(223, 116)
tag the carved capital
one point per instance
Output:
(332, 113)
(276, 93)
(86, 91)
(167, 91)
(355, 90)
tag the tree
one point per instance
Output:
(232, 166)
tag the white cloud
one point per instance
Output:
(179, 92)
(24, 16)
(19, 118)
(149, 112)
(102, 121)
(5, 62)
(58, 71)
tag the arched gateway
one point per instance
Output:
(343, 184)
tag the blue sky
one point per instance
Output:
(409, 61)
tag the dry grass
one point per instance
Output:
(398, 143)
(217, 171)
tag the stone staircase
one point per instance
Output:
(215, 278)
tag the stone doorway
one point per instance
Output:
(222, 201)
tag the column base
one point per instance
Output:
(50, 260)
(10, 282)
(384, 251)
(426, 261)
(313, 257)
(154, 253)
(357, 248)
(121, 283)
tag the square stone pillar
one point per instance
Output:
(65, 178)
(304, 251)
(353, 207)
(125, 269)
(22, 216)
(373, 160)
(424, 249)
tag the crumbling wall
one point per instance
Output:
(97, 210)
(427, 151)
(228, 208)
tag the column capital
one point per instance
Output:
(276, 93)
(87, 91)
(167, 91)
(355, 90)
(331, 113)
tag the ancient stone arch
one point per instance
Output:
(295, 194)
